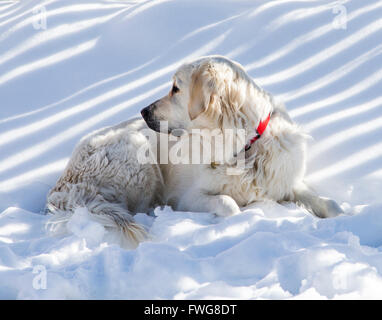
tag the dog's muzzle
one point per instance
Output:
(157, 124)
(148, 115)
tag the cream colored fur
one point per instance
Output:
(212, 93)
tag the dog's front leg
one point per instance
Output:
(222, 205)
(319, 206)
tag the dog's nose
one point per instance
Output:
(145, 112)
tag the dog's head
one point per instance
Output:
(210, 92)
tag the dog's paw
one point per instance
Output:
(225, 206)
(327, 208)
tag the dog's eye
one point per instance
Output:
(174, 89)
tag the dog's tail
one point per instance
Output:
(120, 224)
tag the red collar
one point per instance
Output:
(259, 131)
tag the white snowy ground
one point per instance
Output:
(99, 62)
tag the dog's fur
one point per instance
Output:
(213, 92)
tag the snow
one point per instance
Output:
(99, 62)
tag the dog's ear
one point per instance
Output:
(200, 94)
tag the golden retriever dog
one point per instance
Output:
(258, 154)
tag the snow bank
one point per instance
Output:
(97, 63)
(269, 251)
